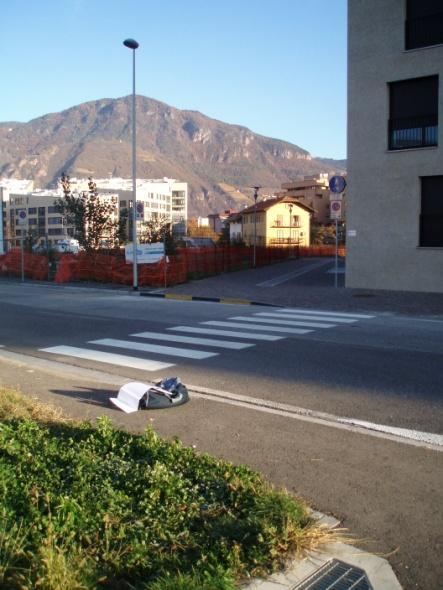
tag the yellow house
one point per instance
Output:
(280, 221)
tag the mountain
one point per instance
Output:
(219, 161)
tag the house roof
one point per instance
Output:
(268, 203)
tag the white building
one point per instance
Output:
(395, 145)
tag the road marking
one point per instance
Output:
(229, 333)
(328, 313)
(401, 435)
(291, 275)
(282, 321)
(154, 348)
(426, 437)
(191, 340)
(108, 357)
(252, 327)
(297, 316)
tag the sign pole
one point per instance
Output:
(336, 254)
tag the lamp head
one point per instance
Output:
(131, 43)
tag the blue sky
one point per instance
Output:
(275, 66)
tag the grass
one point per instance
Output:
(87, 506)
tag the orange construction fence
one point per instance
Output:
(188, 263)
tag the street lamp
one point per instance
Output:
(256, 189)
(132, 44)
(289, 206)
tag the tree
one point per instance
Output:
(157, 229)
(91, 215)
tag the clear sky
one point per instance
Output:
(275, 66)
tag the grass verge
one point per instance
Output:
(87, 506)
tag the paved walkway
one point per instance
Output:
(256, 285)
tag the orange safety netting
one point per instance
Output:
(35, 266)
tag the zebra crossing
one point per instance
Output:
(236, 333)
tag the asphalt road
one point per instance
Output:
(386, 368)
(381, 368)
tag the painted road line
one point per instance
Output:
(292, 275)
(361, 316)
(154, 348)
(282, 321)
(426, 437)
(230, 333)
(108, 357)
(243, 326)
(191, 340)
(299, 316)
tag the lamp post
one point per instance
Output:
(289, 206)
(132, 44)
(256, 189)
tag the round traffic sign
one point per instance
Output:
(336, 205)
(337, 184)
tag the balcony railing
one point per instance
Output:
(413, 132)
(424, 31)
(278, 223)
(284, 241)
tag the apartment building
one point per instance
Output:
(281, 221)
(29, 210)
(395, 145)
(313, 191)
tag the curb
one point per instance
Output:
(225, 300)
(378, 571)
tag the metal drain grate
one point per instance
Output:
(336, 575)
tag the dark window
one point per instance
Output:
(42, 211)
(32, 221)
(53, 232)
(52, 210)
(54, 220)
(413, 111)
(32, 210)
(431, 217)
(41, 231)
(424, 23)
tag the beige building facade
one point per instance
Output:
(395, 145)
(279, 222)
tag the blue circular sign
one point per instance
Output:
(337, 184)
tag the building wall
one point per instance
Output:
(273, 226)
(384, 195)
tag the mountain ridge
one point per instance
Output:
(94, 138)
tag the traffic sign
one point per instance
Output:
(140, 211)
(337, 184)
(22, 217)
(336, 207)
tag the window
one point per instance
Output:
(413, 111)
(52, 210)
(55, 220)
(32, 221)
(122, 204)
(431, 217)
(424, 23)
(42, 210)
(53, 232)
(32, 210)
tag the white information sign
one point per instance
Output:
(22, 217)
(146, 253)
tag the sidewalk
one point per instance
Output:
(244, 285)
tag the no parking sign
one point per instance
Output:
(336, 209)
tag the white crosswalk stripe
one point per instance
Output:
(154, 348)
(243, 318)
(272, 325)
(230, 333)
(359, 316)
(190, 340)
(300, 316)
(262, 327)
(108, 357)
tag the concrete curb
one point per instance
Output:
(377, 569)
(180, 297)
